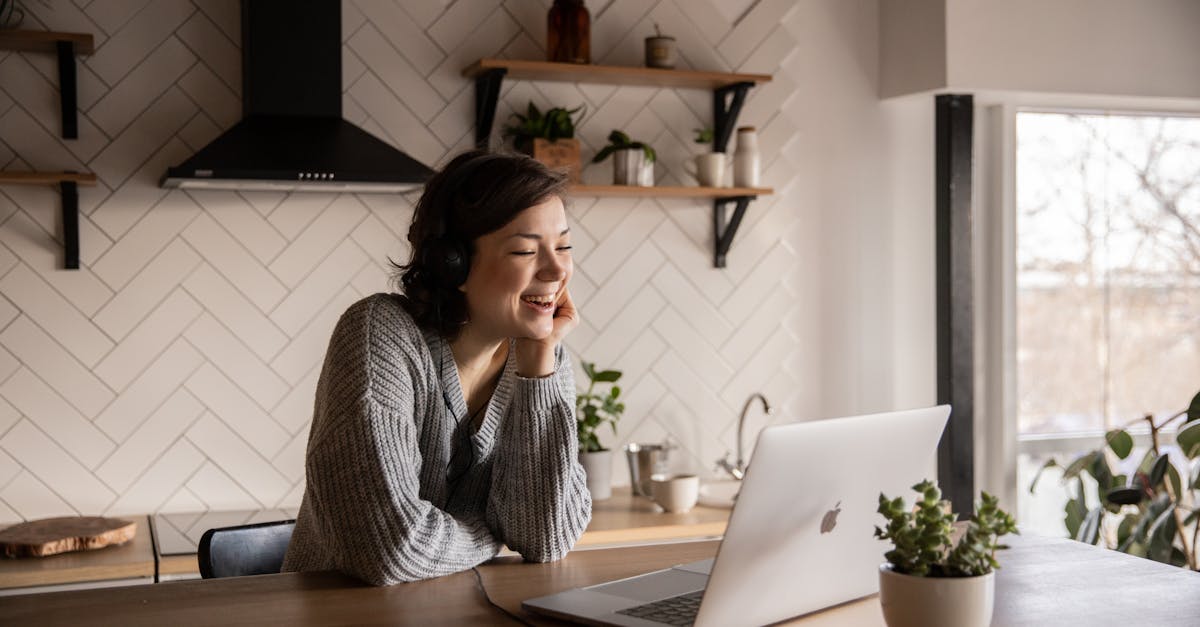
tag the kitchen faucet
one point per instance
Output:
(738, 470)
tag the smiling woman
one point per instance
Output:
(444, 423)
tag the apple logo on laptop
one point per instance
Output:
(829, 521)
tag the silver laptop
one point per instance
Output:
(800, 537)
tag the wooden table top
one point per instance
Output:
(134, 559)
(1045, 581)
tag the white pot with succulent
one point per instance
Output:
(939, 573)
(633, 161)
(593, 409)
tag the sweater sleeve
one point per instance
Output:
(364, 488)
(539, 504)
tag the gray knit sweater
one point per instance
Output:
(396, 493)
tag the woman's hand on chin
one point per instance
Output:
(535, 356)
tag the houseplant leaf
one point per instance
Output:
(1076, 512)
(1120, 442)
(1158, 470)
(1089, 531)
(607, 376)
(1125, 496)
(1188, 439)
(1050, 463)
(1081, 462)
(1193, 411)
(1162, 536)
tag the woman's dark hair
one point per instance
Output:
(477, 193)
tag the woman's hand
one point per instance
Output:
(535, 357)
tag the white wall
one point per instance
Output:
(175, 370)
(912, 40)
(1112, 47)
(1146, 48)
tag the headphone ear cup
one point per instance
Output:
(447, 262)
(455, 263)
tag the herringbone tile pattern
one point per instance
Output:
(175, 370)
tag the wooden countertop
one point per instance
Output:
(621, 520)
(132, 560)
(1044, 581)
(626, 519)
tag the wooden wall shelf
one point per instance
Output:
(729, 93)
(633, 191)
(68, 184)
(45, 41)
(66, 45)
(611, 74)
(46, 178)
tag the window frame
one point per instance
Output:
(998, 442)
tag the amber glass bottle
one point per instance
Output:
(568, 32)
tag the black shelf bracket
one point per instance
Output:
(70, 221)
(724, 230)
(66, 89)
(487, 93)
(725, 112)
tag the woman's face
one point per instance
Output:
(519, 272)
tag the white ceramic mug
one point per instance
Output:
(709, 169)
(675, 493)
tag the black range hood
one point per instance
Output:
(292, 136)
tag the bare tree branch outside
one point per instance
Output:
(1108, 269)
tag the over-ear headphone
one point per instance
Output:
(445, 257)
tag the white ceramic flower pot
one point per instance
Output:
(598, 467)
(910, 601)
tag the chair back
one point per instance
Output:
(256, 549)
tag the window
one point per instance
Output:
(1107, 283)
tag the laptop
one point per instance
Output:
(800, 537)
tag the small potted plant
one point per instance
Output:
(708, 168)
(548, 137)
(633, 161)
(592, 409)
(931, 578)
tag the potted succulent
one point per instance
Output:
(708, 168)
(633, 161)
(592, 409)
(548, 137)
(931, 578)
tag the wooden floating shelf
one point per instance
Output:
(45, 41)
(626, 191)
(611, 74)
(47, 178)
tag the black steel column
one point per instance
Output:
(955, 308)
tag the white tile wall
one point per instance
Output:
(176, 370)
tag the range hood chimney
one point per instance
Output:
(292, 136)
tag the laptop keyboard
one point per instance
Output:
(677, 610)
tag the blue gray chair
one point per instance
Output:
(256, 549)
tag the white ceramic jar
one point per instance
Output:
(746, 161)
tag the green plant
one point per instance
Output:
(921, 537)
(554, 124)
(620, 141)
(594, 409)
(704, 135)
(1147, 512)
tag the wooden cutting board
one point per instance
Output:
(49, 536)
